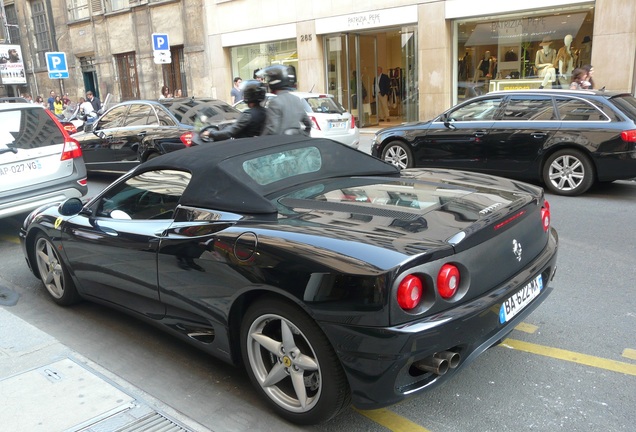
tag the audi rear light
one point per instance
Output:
(71, 149)
(629, 136)
(314, 122)
(186, 139)
(448, 281)
(545, 216)
(410, 291)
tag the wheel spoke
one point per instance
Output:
(299, 386)
(268, 343)
(277, 373)
(289, 344)
(306, 363)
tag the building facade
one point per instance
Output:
(435, 52)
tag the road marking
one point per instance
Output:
(392, 421)
(527, 328)
(571, 356)
(11, 239)
(629, 353)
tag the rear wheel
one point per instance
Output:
(399, 154)
(53, 272)
(291, 363)
(568, 172)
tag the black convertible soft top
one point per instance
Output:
(220, 180)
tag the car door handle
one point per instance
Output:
(142, 134)
(539, 135)
(480, 134)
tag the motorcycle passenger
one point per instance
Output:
(251, 121)
(286, 114)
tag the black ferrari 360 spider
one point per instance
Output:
(330, 274)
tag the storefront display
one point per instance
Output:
(529, 50)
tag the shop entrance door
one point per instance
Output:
(365, 57)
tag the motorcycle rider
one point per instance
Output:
(251, 121)
(286, 114)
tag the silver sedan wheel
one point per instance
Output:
(284, 363)
(50, 267)
(566, 173)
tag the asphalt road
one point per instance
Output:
(571, 366)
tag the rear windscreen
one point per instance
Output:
(324, 105)
(28, 128)
(627, 105)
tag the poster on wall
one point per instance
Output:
(11, 65)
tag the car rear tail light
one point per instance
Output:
(314, 122)
(83, 182)
(545, 216)
(409, 293)
(186, 139)
(71, 149)
(447, 281)
(353, 122)
(629, 135)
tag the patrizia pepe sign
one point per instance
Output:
(367, 20)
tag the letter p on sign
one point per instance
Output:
(160, 42)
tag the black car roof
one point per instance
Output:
(552, 92)
(220, 182)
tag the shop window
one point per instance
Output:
(529, 50)
(249, 59)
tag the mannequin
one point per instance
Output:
(566, 58)
(486, 68)
(544, 62)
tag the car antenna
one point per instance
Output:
(312, 88)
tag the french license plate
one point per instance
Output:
(518, 301)
(337, 125)
(20, 168)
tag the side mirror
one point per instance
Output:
(446, 119)
(70, 207)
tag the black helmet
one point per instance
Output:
(254, 91)
(279, 77)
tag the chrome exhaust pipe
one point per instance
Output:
(450, 356)
(435, 365)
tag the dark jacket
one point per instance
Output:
(286, 115)
(385, 85)
(249, 124)
(97, 104)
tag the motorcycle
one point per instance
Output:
(74, 119)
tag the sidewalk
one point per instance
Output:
(45, 386)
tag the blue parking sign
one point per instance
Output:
(56, 65)
(160, 42)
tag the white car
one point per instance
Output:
(329, 118)
(39, 162)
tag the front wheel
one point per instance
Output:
(291, 363)
(568, 172)
(399, 154)
(53, 272)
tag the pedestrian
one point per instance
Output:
(40, 101)
(95, 102)
(236, 93)
(165, 92)
(285, 112)
(579, 76)
(86, 108)
(251, 121)
(28, 97)
(178, 93)
(589, 83)
(65, 99)
(58, 106)
(51, 99)
(381, 89)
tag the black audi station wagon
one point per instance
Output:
(565, 139)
